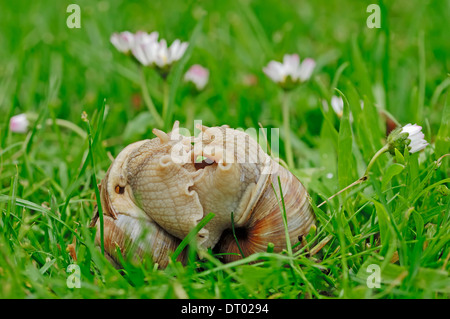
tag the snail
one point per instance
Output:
(157, 190)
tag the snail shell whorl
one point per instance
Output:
(137, 238)
(267, 226)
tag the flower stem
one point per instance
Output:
(62, 123)
(287, 130)
(358, 181)
(165, 99)
(365, 177)
(190, 110)
(382, 150)
(69, 125)
(149, 102)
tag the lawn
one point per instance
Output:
(387, 236)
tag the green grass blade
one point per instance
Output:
(191, 236)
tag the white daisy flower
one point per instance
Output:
(198, 75)
(291, 71)
(409, 136)
(19, 123)
(150, 52)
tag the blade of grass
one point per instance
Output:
(188, 239)
(234, 235)
(443, 135)
(94, 180)
(78, 180)
(346, 162)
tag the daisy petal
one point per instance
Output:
(306, 69)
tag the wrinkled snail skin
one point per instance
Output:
(155, 192)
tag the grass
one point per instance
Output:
(399, 219)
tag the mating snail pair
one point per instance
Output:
(157, 190)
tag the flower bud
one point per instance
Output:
(19, 123)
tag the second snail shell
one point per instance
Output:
(157, 190)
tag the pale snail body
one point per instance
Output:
(155, 192)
